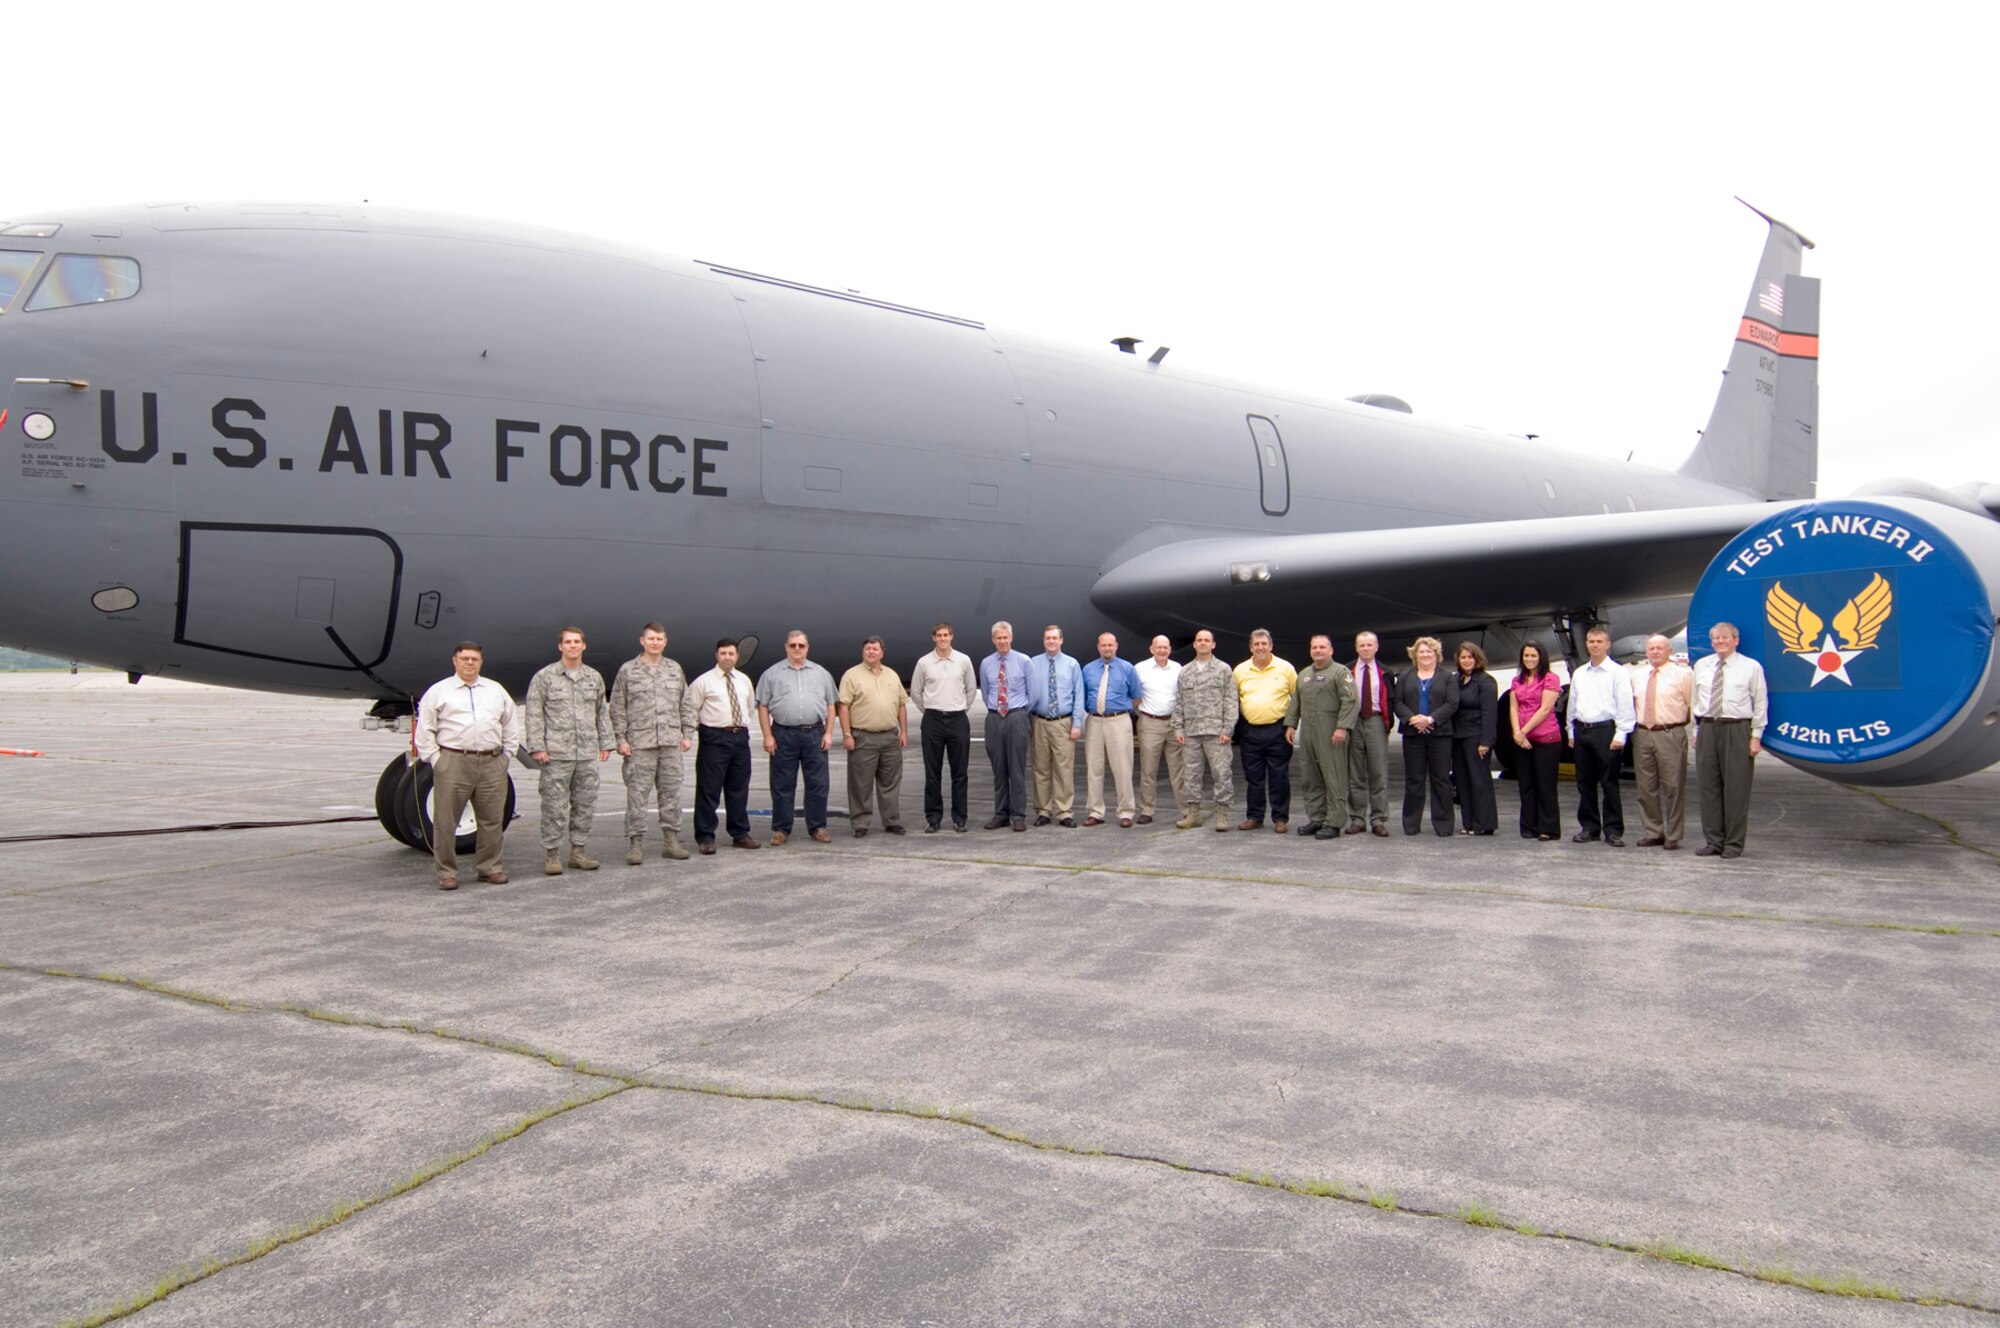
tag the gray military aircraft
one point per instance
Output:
(307, 449)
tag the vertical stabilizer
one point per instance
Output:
(1761, 437)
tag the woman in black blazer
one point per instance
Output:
(1426, 700)
(1474, 728)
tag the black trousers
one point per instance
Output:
(1426, 764)
(1472, 776)
(1598, 808)
(721, 774)
(1535, 773)
(946, 734)
(1267, 769)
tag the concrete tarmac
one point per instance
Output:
(1091, 1076)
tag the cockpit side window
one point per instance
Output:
(15, 265)
(85, 279)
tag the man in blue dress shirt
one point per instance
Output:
(1055, 683)
(1005, 684)
(1110, 690)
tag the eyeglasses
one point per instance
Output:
(795, 645)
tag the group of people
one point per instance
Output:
(1334, 719)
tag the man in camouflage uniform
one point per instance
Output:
(569, 734)
(646, 717)
(1318, 721)
(1205, 709)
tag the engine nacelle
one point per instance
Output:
(1874, 620)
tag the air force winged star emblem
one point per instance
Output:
(1858, 623)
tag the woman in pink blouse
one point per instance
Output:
(1531, 708)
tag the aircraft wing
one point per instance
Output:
(1426, 578)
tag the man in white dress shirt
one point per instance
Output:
(719, 706)
(467, 727)
(1600, 720)
(1159, 682)
(1731, 705)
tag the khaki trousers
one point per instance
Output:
(1107, 740)
(1053, 756)
(1660, 759)
(458, 778)
(1155, 736)
(875, 779)
(1368, 773)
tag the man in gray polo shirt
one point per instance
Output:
(795, 709)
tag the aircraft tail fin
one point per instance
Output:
(1763, 435)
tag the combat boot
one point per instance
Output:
(551, 865)
(1189, 819)
(673, 848)
(580, 860)
(635, 851)
(1221, 819)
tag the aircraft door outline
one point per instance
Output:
(286, 592)
(1274, 469)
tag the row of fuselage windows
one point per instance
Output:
(69, 279)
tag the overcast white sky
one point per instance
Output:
(1514, 217)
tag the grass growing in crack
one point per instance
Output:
(1479, 1215)
(1672, 1253)
(1847, 1284)
(1382, 1199)
(340, 1212)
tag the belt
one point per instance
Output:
(460, 751)
(1710, 719)
(723, 728)
(1663, 728)
(1109, 714)
(874, 730)
(1054, 718)
(1150, 715)
(1596, 723)
(816, 724)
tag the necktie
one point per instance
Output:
(1053, 670)
(1652, 690)
(1002, 689)
(1715, 690)
(735, 710)
(1103, 684)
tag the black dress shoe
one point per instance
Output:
(1652, 841)
(1020, 823)
(1309, 829)
(1614, 841)
(1326, 832)
(997, 823)
(1583, 837)
(1067, 822)
(1729, 853)
(895, 829)
(959, 826)
(932, 827)
(1041, 820)
(1708, 851)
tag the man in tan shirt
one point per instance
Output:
(874, 732)
(1663, 694)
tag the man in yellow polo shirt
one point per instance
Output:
(1264, 687)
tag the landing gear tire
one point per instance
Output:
(413, 811)
(387, 790)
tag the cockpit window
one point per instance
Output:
(15, 265)
(85, 279)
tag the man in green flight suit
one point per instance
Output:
(1317, 722)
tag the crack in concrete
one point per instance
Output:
(1851, 1286)
(1951, 831)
